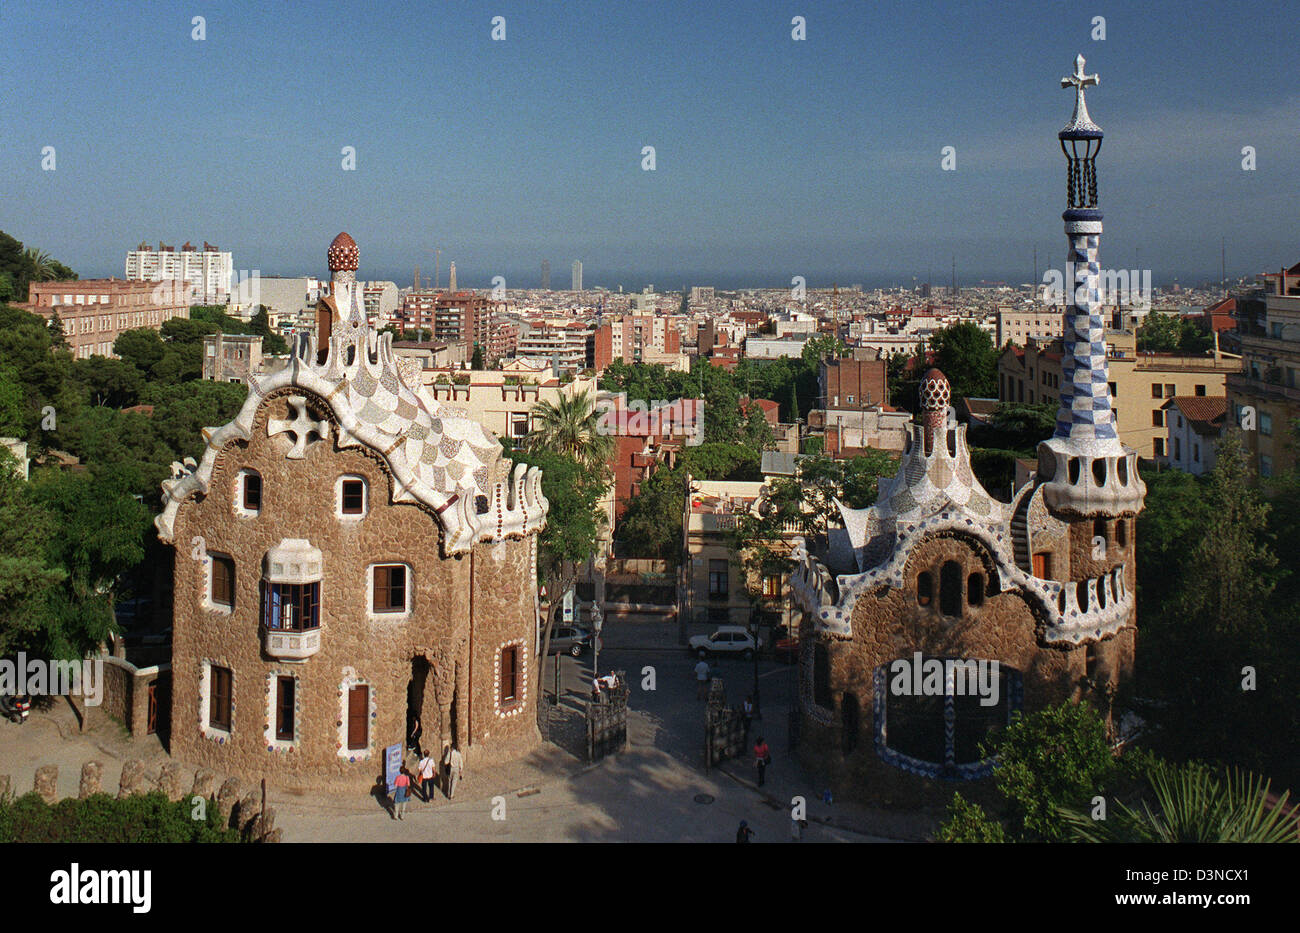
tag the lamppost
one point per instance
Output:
(753, 631)
(597, 623)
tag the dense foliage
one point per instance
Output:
(101, 818)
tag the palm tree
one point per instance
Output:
(40, 266)
(570, 425)
(1194, 805)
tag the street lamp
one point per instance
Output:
(753, 630)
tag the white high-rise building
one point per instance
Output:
(577, 275)
(206, 272)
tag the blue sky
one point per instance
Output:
(774, 157)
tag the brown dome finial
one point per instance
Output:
(343, 255)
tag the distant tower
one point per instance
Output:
(451, 277)
(546, 275)
(577, 275)
(1087, 471)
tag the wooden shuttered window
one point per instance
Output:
(223, 581)
(390, 588)
(358, 718)
(219, 698)
(510, 675)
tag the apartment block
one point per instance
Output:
(95, 311)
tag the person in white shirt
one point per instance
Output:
(454, 763)
(427, 768)
(702, 680)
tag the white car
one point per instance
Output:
(728, 639)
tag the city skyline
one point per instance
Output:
(773, 157)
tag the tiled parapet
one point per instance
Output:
(1089, 479)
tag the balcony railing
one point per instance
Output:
(290, 645)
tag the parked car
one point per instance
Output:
(570, 639)
(727, 640)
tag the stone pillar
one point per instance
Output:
(226, 798)
(133, 779)
(92, 775)
(202, 787)
(169, 780)
(46, 783)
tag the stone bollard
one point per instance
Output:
(169, 780)
(133, 779)
(267, 822)
(246, 818)
(46, 783)
(226, 799)
(203, 780)
(92, 779)
(275, 835)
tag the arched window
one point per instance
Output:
(1073, 468)
(1099, 529)
(950, 589)
(1081, 595)
(952, 444)
(975, 589)
(1121, 533)
(1099, 471)
(924, 588)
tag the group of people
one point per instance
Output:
(427, 771)
(602, 687)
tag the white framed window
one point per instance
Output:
(389, 591)
(219, 591)
(216, 700)
(351, 497)
(248, 493)
(283, 710)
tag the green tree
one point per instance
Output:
(1056, 757)
(57, 336)
(651, 526)
(101, 529)
(27, 572)
(967, 357)
(574, 522)
(571, 425)
(967, 822)
(820, 346)
(1192, 804)
(477, 361)
(142, 347)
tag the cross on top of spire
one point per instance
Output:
(1080, 81)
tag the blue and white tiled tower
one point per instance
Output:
(1085, 468)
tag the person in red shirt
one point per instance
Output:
(762, 758)
(401, 791)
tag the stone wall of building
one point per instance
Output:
(893, 625)
(126, 692)
(356, 646)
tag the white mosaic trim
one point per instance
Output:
(522, 702)
(352, 679)
(219, 736)
(274, 744)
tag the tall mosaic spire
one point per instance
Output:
(1085, 411)
(1086, 468)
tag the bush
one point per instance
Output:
(967, 822)
(101, 818)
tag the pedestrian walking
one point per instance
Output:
(762, 758)
(744, 833)
(702, 680)
(401, 790)
(428, 769)
(454, 763)
(413, 740)
(747, 716)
